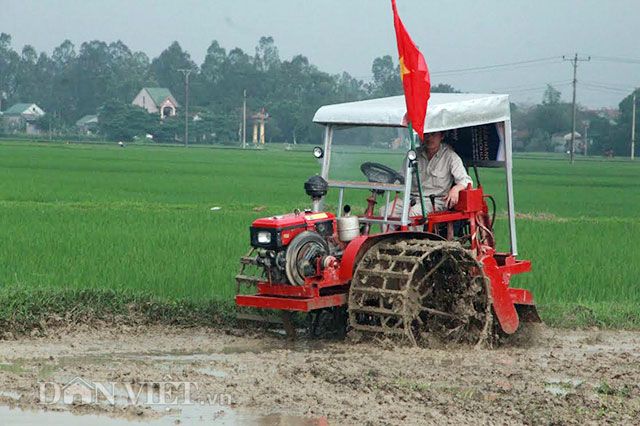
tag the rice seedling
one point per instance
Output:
(171, 223)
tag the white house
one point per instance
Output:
(22, 117)
(156, 100)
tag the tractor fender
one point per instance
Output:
(503, 305)
(359, 245)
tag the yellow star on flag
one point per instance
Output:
(403, 69)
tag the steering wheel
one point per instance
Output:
(379, 173)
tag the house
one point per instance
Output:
(22, 118)
(87, 124)
(156, 100)
(562, 142)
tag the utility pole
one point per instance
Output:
(574, 61)
(633, 127)
(186, 72)
(244, 119)
(585, 138)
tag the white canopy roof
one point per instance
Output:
(445, 111)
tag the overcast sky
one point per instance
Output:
(346, 35)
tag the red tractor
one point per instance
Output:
(377, 273)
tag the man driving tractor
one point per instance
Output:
(442, 174)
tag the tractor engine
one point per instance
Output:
(291, 246)
(295, 246)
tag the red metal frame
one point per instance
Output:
(498, 267)
(291, 304)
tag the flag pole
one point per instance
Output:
(413, 146)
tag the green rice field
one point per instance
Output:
(139, 220)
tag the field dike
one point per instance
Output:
(37, 311)
(32, 311)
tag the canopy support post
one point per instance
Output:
(510, 200)
(406, 196)
(326, 159)
(416, 169)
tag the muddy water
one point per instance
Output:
(556, 376)
(187, 416)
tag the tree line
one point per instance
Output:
(103, 78)
(537, 127)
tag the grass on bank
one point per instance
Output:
(23, 310)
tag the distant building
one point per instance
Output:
(561, 142)
(22, 118)
(87, 124)
(156, 100)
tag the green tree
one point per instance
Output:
(349, 88)
(207, 84)
(535, 126)
(551, 96)
(123, 121)
(267, 57)
(27, 75)
(129, 72)
(601, 132)
(444, 88)
(165, 69)
(621, 134)
(93, 79)
(213, 66)
(386, 78)
(167, 130)
(9, 69)
(64, 82)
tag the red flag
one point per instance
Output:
(414, 74)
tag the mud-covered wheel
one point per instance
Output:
(328, 323)
(421, 290)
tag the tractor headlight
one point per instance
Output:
(318, 152)
(264, 237)
(412, 155)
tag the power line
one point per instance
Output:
(613, 87)
(497, 69)
(599, 89)
(532, 86)
(518, 64)
(605, 88)
(619, 60)
(537, 89)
